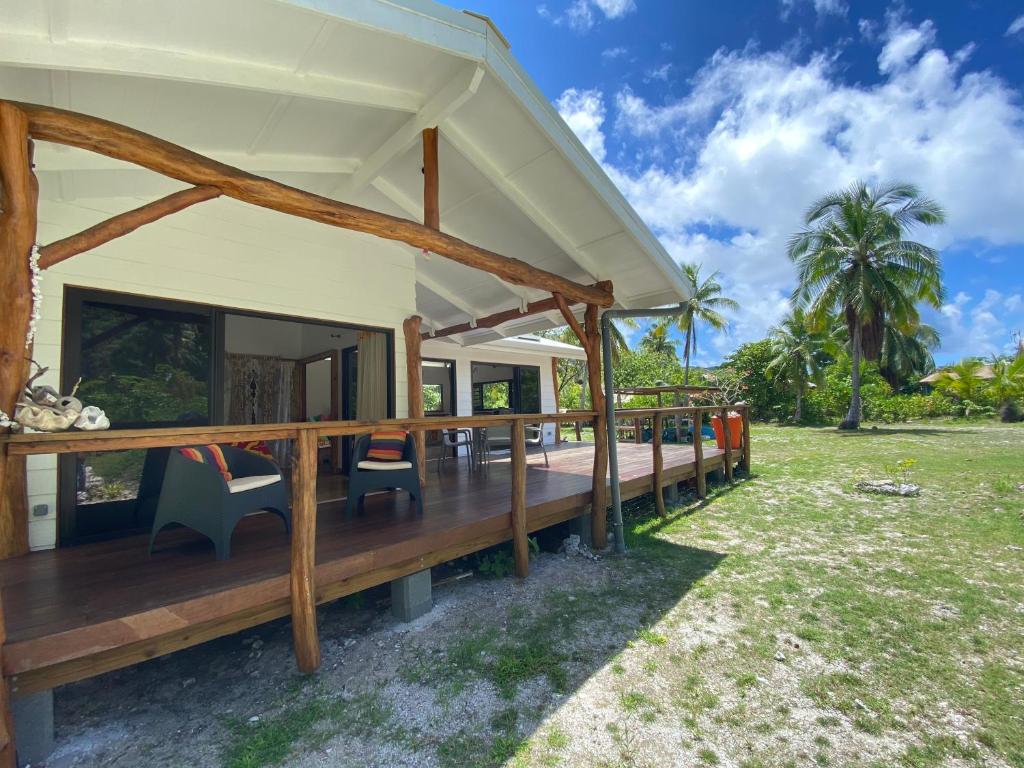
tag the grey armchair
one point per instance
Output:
(368, 475)
(500, 438)
(196, 495)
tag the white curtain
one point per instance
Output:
(372, 376)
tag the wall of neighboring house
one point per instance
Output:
(464, 357)
(224, 253)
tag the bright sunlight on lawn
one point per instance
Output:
(840, 628)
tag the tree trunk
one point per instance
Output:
(852, 420)
(686, 355)
(799, 412)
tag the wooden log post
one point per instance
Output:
(554, 383)
(698, 454)
(8, 754)
(520, 543)
(745, 461)
(19, 193)
(659, 463)
(727, 438)
(431, 181)
(414, 373)
(599, 485)
(303, 554)
(638, 430)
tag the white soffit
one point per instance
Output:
(330, 96)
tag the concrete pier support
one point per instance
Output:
(411, 596)
(581, 527)
(671, 493)
(33, 724)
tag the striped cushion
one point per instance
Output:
(208, 454)
(387, 445)
(259, 447)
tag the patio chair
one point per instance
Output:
(501, 438)
(197, 495)
(368, 475)
(456, 438)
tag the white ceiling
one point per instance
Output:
(331, 96)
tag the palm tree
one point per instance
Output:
(704, 304)
(905, 356)
(659, 341)
(963, 380)
(853, 258)
(798, 352)
(1007, 379)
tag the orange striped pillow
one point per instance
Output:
(208, 454)
(387, 445)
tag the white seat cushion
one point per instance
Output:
(369, 464)
(240, 484)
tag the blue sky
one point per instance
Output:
(722, 121)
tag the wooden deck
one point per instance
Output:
(76, 612)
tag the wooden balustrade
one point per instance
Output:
(306, 436)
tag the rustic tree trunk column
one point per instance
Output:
(727, 438)
(303, 562)
(19, 193)
(599, 486)
(659, 463)
(745, 461)
(7, 746)
(698, 454)
(554, 382)
(520, 545)
(414, 375)
(431, 180)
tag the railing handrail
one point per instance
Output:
(169, 437)
(626, 413)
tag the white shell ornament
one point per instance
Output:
(45, 395)
(69, 403)
(92, 419)
(44, 419)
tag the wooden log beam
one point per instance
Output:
(414, 377)
(492, 321)
(520, 544)
(570, 319)
(698, 455)
(123, 143)
(431, 180)
(19, 193)
(122, 224)
(303, 553)
(728, 444)
(659, 465)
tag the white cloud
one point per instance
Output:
(584, 112)
(975, 329)
(658, 73)
(724, 174)
(580, 15)
(614, 53)
(903, 43)
(1016, 26)
(615, 9)
(821, 7)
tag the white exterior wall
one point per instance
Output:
(228, 254)
(464, 357)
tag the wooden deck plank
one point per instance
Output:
(110, 603)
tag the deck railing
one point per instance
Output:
(304, 472)
(637, 416)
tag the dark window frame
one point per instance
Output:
(71, 363)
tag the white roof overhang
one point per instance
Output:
(331, 96)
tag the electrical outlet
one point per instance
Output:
(40, 510)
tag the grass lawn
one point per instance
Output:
(841, 628)
(788, 620)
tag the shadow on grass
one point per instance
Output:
(908, 430)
